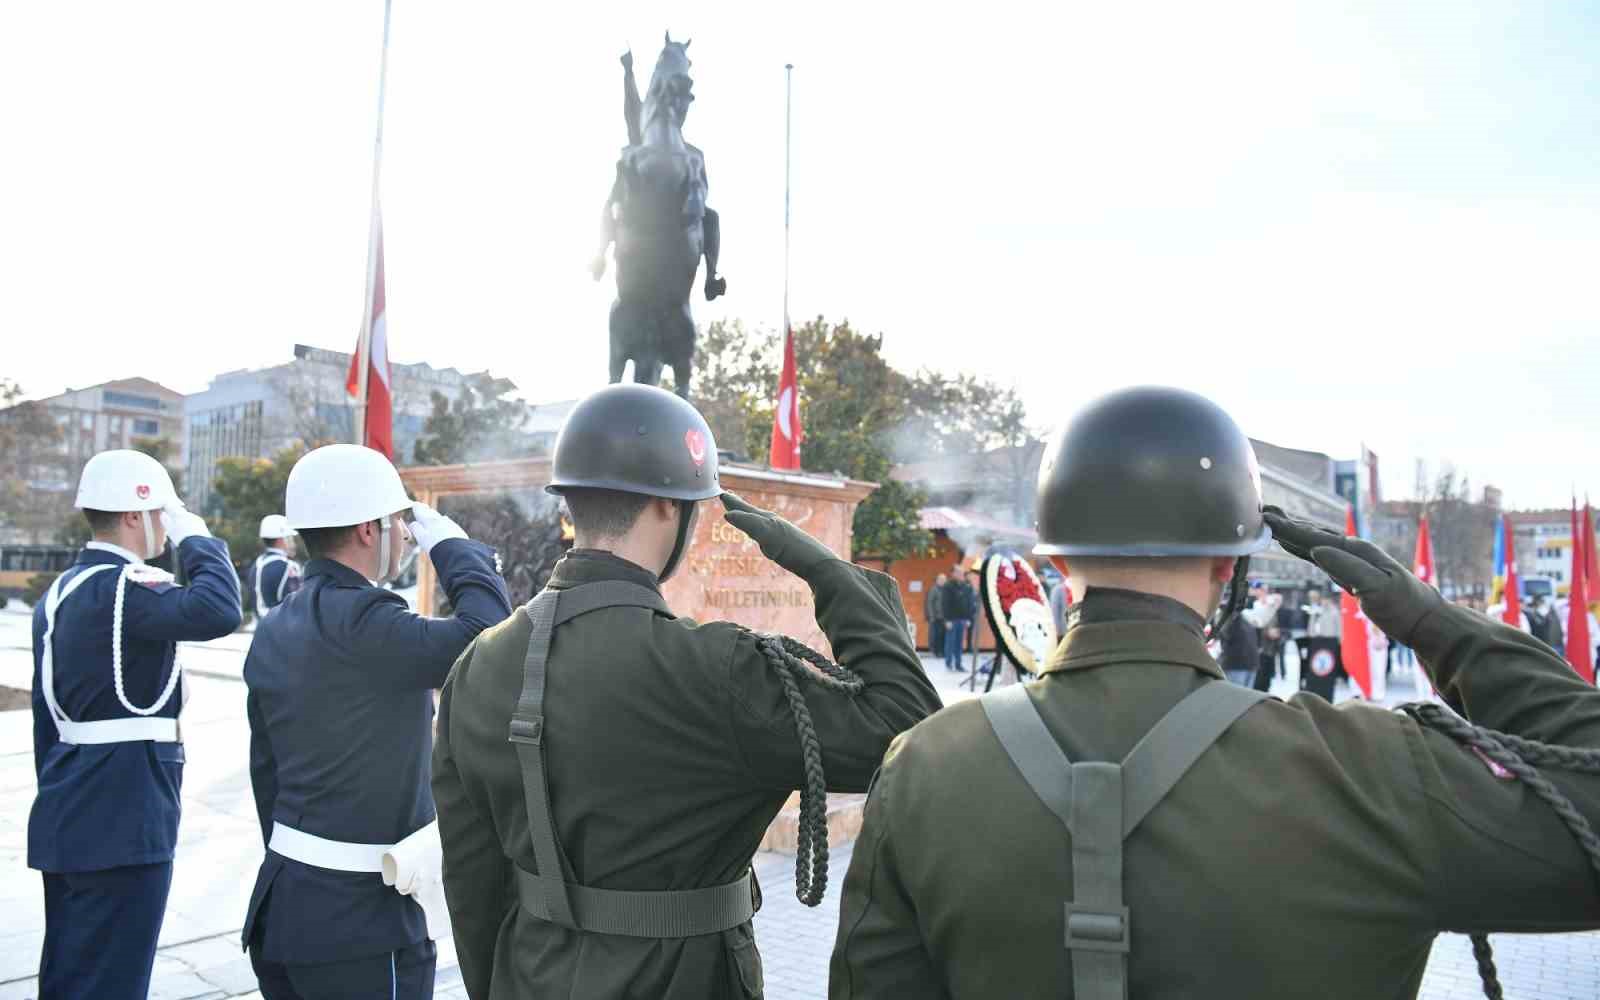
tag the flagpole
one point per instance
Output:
(364, 345)
(788, 131)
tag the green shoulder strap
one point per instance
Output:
(546, 894)
(1101, 803)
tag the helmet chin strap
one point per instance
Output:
(384, 543)
(685, 515)
(150, 550)
(1233, 597)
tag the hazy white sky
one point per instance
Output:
(1374, 223)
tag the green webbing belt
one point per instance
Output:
(682, 913)
(1100, 804)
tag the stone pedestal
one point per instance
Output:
(724, 575)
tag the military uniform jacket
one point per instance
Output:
(1313, 851)
(670, 747)
(115, 804)
(273, 576)
(340, 704)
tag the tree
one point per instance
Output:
(244, 491)
(1461, 528)
(480, 425)
(36, 474)
(853, 402)
(979, 424)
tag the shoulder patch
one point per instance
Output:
(152, 577)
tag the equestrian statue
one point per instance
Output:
(658, 220)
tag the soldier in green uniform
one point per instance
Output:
(605, 770)
(1243, 847)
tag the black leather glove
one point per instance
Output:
(780, 541)
(1393, 599)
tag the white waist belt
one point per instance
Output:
(338, 855)
(119, 731)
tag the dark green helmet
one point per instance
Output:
(636, 438)
(1150, 471)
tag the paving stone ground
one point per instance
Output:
(220, 848)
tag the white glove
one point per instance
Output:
(181, 524)
(413, 867)
(429, 527)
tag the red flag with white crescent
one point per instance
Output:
(1513, 613)
(1353, 647)
(1423, 566)
(786, 433)
(378, 431)
(1580, 647)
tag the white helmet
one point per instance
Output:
(125, 480)
(275, 526)
(342, 484)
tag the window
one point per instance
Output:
(148, 428)
(129, 399)
(87, 421)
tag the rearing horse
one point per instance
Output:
(658, 219)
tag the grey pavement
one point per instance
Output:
(220, 847)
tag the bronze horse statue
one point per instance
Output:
(658, 220)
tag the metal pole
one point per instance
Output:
(364, 343)
(788, 119)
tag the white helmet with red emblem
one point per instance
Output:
(125, 480)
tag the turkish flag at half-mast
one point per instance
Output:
(786, 434)
(373, 346)
(1353, 637)
(1513, 612)
(1580, 649)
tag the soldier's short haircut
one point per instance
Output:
(604, 513)
(322, 543)
(101, 521)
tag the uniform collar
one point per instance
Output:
(1125, 626)
(342, 575)
(581, 566)
(107, 549)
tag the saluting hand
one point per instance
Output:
(429, 527)
(181, 524)
(780, 541)
(1392, 597)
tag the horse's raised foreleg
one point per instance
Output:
(711, 238)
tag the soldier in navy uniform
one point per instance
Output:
(340, 704)
(274, 575)
(108, 751)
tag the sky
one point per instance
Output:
(1358, 223)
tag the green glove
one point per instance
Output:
(1393, 599)
(780, 541)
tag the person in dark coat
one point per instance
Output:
(275, 574)
(340, 704)
(960, 609)
(933, 612)
(107, 747)
(595, 773)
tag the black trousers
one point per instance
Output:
(100, 931)
(406, 974)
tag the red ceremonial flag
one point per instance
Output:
(1424, 559)
(1513, 612)
(373, 345)
(1423, 567)
(1591, 574)
(1353, 637)
(786, 434)
(1580, 650)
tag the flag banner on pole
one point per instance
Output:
(1513, 612)
(1580, 647)
(786, 433)
(1423, 566)
(1353, 639)
(1591, 573)
(378, 430)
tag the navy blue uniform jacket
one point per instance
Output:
(278, 579)
(115, 804)
(341, 678)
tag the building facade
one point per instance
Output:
(259, 412)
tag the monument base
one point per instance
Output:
(723, 576)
